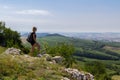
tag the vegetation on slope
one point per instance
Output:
(84, 48)
(20, 67)
(10, 38)
(2, 49)
(90, 51)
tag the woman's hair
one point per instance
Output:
(34, 28)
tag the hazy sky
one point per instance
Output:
(61, 15)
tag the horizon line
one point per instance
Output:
(66, 32)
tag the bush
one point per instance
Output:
(10, 38)
(62, 49)
(97, 69)
(67, 51)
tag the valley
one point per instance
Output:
(107, 53)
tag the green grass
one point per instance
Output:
(2, 49)
(113, 49)
(19, 67)
(110, 64)
(52, 40)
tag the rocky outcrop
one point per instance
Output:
(74, 73)
(77, 75)
(13, 51)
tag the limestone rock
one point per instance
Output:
(58, 59)
(79, 75)
(48, 57)
(13, 51)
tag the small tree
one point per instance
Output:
(10, 38)
(97, 69)
(2, 27)
(65, 50)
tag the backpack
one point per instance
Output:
(29, 38)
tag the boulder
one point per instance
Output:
(58, 59)
(13, 51)
(47, 57)
(77, 75)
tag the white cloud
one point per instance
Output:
(34, 12)
(5, 7)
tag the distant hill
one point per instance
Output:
(55, 34)
(38, 34)
(90, 48)
(42, 34)
(111, 37)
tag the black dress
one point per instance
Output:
(33, 41)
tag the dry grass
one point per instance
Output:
(116, 77)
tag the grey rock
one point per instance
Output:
(13, 51)
(58, 59)
(79, 75)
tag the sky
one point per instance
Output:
(61, 15)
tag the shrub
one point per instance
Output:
(97, 69)
(10, 38)
(62, 49)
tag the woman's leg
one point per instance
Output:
(36, 45)
(32, 49)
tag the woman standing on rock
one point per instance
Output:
(34, 42)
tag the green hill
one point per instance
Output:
(89, 50)
(84, 48)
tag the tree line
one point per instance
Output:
(10, 38)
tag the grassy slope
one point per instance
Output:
(113, 49)
(52, 40)
(20, 67)
(2, 49)
(78, 43)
